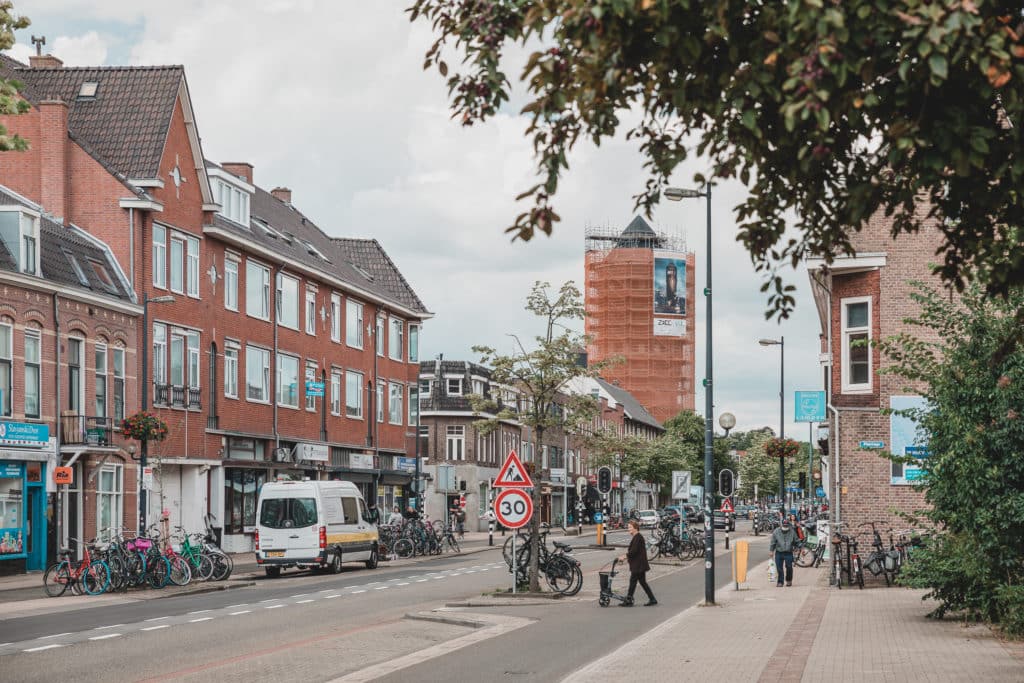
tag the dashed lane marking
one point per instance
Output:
(100, 628)
(105, 636)
(406, 583)
(381, 588)
(421, 580)
(193, 621)
(157, 619)
(359, 591)
(244, 611)
(300, 595)
(43, 647)
(270, 600)
(199, 611)
(273, 606)
(302, 602)
(338, 595)
(56, 635)
(157, 627)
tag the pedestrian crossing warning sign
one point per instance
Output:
(513, 474)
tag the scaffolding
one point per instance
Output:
(619, 303)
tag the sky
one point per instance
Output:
(329, 98)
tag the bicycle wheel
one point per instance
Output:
(404, 548)
(158, 573)
(858, 572)
(56, 579)
(203, 567)
(453, 545)
(559, 575)
(118, 575)
(96, 578)
(223, 565)
(653, 549)
(181, 572)
(804, 556)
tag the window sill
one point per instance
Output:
(857, 390)
(257, 317)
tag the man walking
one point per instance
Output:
(781, 548)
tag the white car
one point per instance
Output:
(648, 519)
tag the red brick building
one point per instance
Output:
(275, 349)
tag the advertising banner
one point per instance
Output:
(669, 284)
(905, 439)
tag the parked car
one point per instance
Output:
(648, 518)
(724, 520)
(694, 515)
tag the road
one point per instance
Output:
(320, 627)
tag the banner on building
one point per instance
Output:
(669, 294)
(906, 438)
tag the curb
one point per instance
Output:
(500, 603)
(204, 589)
(441, 619)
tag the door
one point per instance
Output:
(289, 526)
(36, 529)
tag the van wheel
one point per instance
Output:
(273, 572)
(335, 565)
(372, 562)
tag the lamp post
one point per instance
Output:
(676, 194)
(781, 343)
(144, 446)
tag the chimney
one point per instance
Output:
(53, 157)
(242, 169)
(282, 193)
(44, 62)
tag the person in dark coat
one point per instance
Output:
(638, 566)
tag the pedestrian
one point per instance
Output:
(781, 548)
(411, 513)
(636, 554)
(372, 513)
(395, 518)
(460, 523)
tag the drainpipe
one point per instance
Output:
(131, 246)
(836, 516)
(273, 369)
(56, 376)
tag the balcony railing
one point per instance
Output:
(177, 396)
(87, 429)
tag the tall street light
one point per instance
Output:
(144, 446)
(676, 194)
(781, 343)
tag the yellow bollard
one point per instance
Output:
(739, 563)
(600, 534)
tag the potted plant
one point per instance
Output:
(144, 426)
(782, 448)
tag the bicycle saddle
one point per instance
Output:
(564, 546)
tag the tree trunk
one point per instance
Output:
(535, 523)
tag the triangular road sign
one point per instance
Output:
(726, 505)
(513, 474)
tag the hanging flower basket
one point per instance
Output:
(144, 426)
(782, 448)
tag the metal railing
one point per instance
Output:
(177, 396)
(87, 429)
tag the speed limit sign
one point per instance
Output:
(513, 508)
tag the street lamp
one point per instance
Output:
(676, 194)
(144, 449)
(781, 343)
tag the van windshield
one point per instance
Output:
(288, 513)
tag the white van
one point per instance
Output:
(313, 525)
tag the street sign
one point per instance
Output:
(727, 505)
(581, 486)
(680, 484)
(819, 492)
(872, 445)
(809, 406)
(513, 508)
(598, 518)
(462, 502)
(513, 474)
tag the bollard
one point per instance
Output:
(726, 537)
(739, 563)
(490, 532)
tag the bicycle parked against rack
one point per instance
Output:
(561, 572)
(91, 576)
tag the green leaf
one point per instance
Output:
(938, 65)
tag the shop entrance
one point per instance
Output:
(36, 528)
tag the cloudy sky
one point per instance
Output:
(328, 97)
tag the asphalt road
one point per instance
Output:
(319, 627)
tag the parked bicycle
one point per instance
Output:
(88, 575)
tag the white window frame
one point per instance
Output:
(282, 359)
(231, 349)
(310, 312)
(379, 399)
(396, 395)
(378, 335)
(118, 392)
(114, 497)
(448, 386)
(230, 283)
(192, 267)
(7, 360)
(100, 380)
(353, 324)
(177, 265)
(354, 399)
(336, 392)
(193, 370)
(253, 355)
(159, 256)
(336, 318)
(396, 339)
(311, 368)
(848, 387)
(414, 403)
(455, 442)
(414, 343)
(257, 288)
(287, 316)
(33, 362)
(159, 353)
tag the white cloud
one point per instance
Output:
(329, 98)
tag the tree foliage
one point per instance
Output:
(541, 375)
(10, 103)
(829, 111)
(970, 356)
(757, 467)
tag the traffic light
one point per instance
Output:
(803, 481)
(604, 480)
(726, 486)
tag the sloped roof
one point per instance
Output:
(125, 125)
(630, 405)
(60, 248)
(638, 234)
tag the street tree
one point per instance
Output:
(10, 103)
(829, 112)
(759, 471)
(541, 375)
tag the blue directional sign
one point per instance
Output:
(819, 492)
(809, 406)
(598, 518)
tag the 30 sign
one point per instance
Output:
(513, 508)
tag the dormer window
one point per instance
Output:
(232, 193)
(19, 232)
(88, 89)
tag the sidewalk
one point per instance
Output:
(811, 632)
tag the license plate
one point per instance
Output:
(275, 553)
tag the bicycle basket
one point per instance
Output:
(139, 544)
(892, 560)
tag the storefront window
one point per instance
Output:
(241, 489)
(12, 519)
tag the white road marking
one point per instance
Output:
(100, 628)
(157, 619)
(44, 647)
(192, 621)
(273, 606)
(199, 611)
(354, 592)
(270, 600)
(235, 614)
(381, 588)
(405, 583)
(338, 595)
(244, 604)
(421, 580)
(105, 636)
(154, 628)
(300, 595)
(471, 571)
(302, 602)
(56, 635)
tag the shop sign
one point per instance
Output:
(312, 452)
(63, 476)
(24, 434)
(407, 464)
(360, 461)
(10, 470)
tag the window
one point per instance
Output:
(310, 377)
(478, 387)
(336, 317)
(456, 442)
(118, 385)
(76, 389)
(159, 256)
(192, 340)
(241, 491)
(396, 342)
(110, 500)
(455, 386)
(354, 324)
(425, 386)
(288, 513)
(30, 254)
(103, 276)
(257, 374)
(32, 375)
(177, 363)
(19, 233)
(231, 369)
(414, 404)
(395, 397)
(287, 381)
(856, 353)
(177, 265)
(231, 284)
(379, 335)
(287, 301)
(354, 394)
(379, 400)
(234, 203)
(159, 354)
(310, 312)
(257, 290)
(414, 343)
(335, 392)
(192, 271)
(101, 380)
(6, 365)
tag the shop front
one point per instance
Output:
(26, 458)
